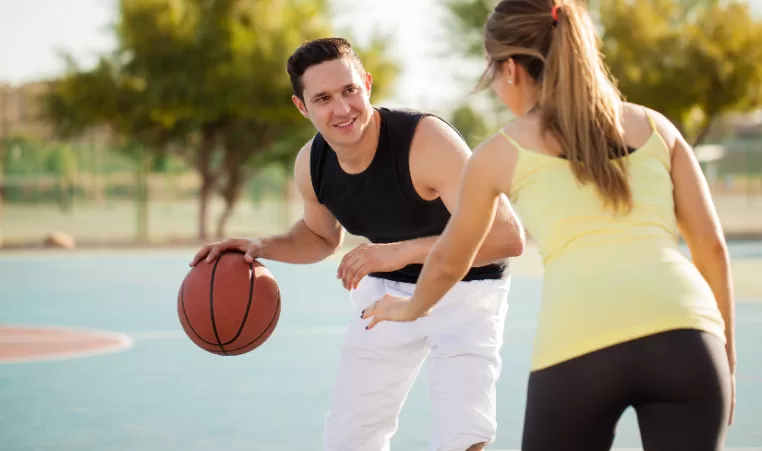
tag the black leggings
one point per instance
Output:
(678, 382)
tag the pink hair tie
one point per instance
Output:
(554, 13)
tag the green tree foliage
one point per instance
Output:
(691, 60)
(205, 80)
(470, 123)
(466, 20)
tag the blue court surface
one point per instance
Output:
(163, 394)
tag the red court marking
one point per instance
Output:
(20, 344)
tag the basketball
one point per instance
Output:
(229, 307)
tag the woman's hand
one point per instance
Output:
(390, 308)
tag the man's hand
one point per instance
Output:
(390, 308)
(368, 258)
(251, 248)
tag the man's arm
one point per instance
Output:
(455, 251)
(438, 157)
(314, 237)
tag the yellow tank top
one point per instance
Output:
(608, 279)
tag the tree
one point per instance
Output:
(466, 20)
(729, 55)
(470, 124)
(209, 83)
(692, 61)
(105, 97)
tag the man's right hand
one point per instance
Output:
(251, 249)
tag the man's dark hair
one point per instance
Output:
(315, 52)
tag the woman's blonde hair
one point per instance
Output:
(556, 42)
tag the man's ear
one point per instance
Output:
(368, 82)
(300, 105)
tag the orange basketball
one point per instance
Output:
(229, 307)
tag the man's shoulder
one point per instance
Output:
(417, 121)
(402, 112)
(302, 159)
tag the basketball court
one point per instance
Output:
(93, 358)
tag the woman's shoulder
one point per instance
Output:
(641, 121)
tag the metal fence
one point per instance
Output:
(95, 199)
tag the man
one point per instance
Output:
(391, 176)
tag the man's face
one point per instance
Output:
(337, 100)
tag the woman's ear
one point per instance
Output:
(508, 69)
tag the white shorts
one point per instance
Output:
(463, 334)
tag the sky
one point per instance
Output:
(33, 31)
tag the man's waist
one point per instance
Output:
(410, 273)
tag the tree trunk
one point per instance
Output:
(141, 182)
(703, 133)
(230, 194)
(3, 138)
(208, 181)
(208, 178)
(235, 178)
(2, 172)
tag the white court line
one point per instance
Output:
(56, 340)
(311, 331)
(288, 332)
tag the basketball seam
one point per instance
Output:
(211, 305)
(187, 319)
(267, 329)
(248, 307)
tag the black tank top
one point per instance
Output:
(381, 203)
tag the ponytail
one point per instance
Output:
(581, 107)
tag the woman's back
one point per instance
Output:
(609, 277)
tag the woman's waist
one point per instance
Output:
(621, 298)
(663, 272)
(600, 253)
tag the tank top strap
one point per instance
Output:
(656, 144)
(650, 120)
(511, 140)
(527, 163)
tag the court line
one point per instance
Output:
(178, 334)
(123, 343)
(38, 340)
(117, 347)
(159, 335)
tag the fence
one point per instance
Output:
(96, 196)
(97, 199)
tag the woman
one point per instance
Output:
(602, 186)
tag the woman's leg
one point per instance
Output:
(575, 405)
(683, 400)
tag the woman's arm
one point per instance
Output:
(484, 181)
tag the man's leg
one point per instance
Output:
(376, 371)
(466, 335)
